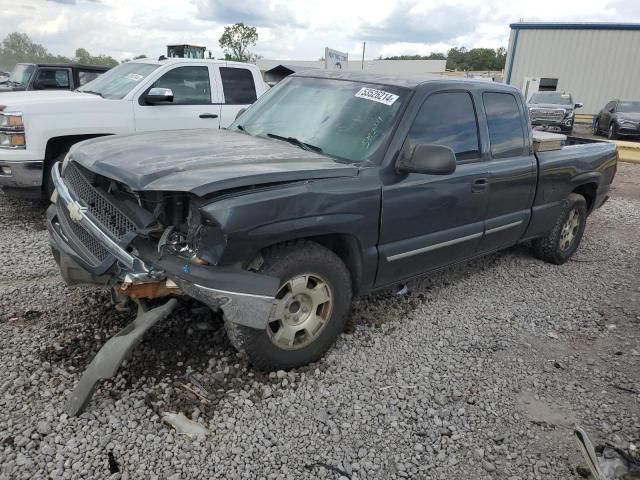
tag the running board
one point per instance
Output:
(108, 360)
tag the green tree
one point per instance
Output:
(18, 47)
(431, 56)
(83, 56)
(236, 40)
(476, 59)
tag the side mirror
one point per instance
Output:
(240, 112)
(159, 95)
(610, 110)
(429, 159)
(579, 105)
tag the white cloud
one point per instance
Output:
(291, 30)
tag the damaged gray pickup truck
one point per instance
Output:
(331, 185)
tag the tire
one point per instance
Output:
(613, 132)
(564, 239)
(47, 184)
(309, 272)
(596, 127)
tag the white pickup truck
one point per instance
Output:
(38, 128)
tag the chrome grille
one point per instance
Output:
(104, 212)
(93, 247)
(548, 114)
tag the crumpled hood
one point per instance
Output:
(202, 161)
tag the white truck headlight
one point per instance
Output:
(12, 130)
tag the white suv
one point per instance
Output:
(38, 128)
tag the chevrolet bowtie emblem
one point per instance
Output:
(76, 211)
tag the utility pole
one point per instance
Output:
(364, 45)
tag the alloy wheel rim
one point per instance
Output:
(569, 230)
(301, 310)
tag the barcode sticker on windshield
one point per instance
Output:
(379, 96)
(135, 77)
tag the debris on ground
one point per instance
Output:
(183, 425)
(608, 462)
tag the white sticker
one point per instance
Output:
(135, 77)
(379, 96)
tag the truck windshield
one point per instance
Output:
(21, 74)
(627, 106)
(119, 81)
(346, 120)
(551, 98)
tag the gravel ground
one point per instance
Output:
(479, 372)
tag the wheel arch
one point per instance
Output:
(57, 145)
(588, 191)
(346, 246)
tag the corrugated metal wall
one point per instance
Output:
(596, 66)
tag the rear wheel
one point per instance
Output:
(596, 127)
(309, 310)
(563, 241)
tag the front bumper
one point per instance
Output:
(245, 298)
(628, 130)
(22, 178)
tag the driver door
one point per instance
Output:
(430, 221)
(195, 101)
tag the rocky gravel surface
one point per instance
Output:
(477, 372)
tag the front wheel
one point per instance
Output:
(613, 132)
(48, 186)
(309, 310)
(563, 240)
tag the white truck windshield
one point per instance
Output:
(117, 82)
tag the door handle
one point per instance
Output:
(480, 185)
(208, 115)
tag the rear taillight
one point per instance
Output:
(2, 107)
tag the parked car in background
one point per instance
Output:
(49, 76)
(332, 185)
(618, 118)
(553, 111)
(37, 129)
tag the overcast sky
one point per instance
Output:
(294, 29)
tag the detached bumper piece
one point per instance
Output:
(108, 360)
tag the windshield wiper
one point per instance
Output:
(294, 141)
(90, 91)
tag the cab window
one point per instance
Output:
(448, 119)
(238, 86)
(50, 78)
(190, 85)
(505, 124)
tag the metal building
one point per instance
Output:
(595, 62)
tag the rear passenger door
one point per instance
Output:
(238, 92)
(195, 104)
(429, 221)
(512, 171)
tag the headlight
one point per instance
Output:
(11, 121)
(12, 130)
(12, 140)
